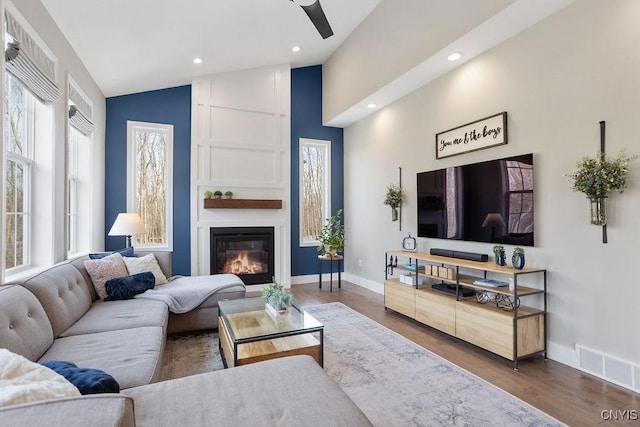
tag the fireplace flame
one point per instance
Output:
(242, 264)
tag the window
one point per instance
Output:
(18, 142)
(315, 188)
(150, 182)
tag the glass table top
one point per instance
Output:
(248, 319)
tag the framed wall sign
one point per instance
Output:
(483, 133)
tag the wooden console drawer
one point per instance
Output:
(492, 328)
(436, 310)
(400, 297)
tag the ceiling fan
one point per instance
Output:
(316, 15)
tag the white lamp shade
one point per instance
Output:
(127, 224)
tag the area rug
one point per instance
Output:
(399, 383)
(393, 380)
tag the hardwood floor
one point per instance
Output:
(567, 394)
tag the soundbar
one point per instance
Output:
(470, 256)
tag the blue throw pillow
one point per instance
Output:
(129, 286)
(88, 381)
(123, 252)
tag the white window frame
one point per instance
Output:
(26, 159)
(72, 190)
(132, 127)
(326, 203)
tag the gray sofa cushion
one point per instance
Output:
(103, 410)
(132, 356)
(291, 391)
(116, 315)
(24, 325)
(64, 294)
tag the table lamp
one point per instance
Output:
(127, 224)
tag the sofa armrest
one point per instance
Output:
(81, 411)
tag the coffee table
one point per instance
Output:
(248, 333)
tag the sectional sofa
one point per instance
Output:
(57, 315)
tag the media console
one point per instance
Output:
(495, 321)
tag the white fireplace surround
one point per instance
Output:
(240, 141)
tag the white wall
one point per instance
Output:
(68, 64)
(240, 141)
(393, 39)
(556, 81)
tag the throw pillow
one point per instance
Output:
(128, 287)
(146, 263)
(22, 381)
(123, 252)
(86, 380)
(107, 268)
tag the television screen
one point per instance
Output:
(483, 202)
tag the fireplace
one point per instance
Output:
(245, 251)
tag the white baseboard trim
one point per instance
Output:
(563, 354)
(365, 283)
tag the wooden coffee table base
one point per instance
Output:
(243, 354)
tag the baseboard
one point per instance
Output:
(563, 354)
(365, 283)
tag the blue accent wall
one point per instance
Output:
(306, 122)
(167, 106)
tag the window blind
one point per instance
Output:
(80, 111)
(30, 64)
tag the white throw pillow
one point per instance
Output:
(146, 263)
(22, 380)
(105, 269)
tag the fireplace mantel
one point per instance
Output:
(242, 204)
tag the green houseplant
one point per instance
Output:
(393, 198)
(517, 259)
(276, 298)
(597, 176)
(208, 194)
(228, 194)
(331, 235)
(499, 254)
(217, 194)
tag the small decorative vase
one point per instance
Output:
(217, 196)
(517, 260)
(394, 214)
(598, 210)
(501, 257)
(328, 250)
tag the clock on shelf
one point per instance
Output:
(409, 243)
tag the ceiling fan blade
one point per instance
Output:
(318, 18)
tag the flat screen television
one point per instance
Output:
(482, 202)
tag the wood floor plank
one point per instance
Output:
(567, 394)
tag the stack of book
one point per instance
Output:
(492, 283)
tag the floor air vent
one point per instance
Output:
(618, 371)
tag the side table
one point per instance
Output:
(331, 259)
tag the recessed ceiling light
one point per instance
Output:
(454, 56)
(372, 105)
(197, 60)
(295, 49)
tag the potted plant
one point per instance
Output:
(217, 194)
(208, 194)
(499, 255)
(332, 235)
(228, 194)
(276, 298)
(517, 259)
(393, 198)
(597, 176)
